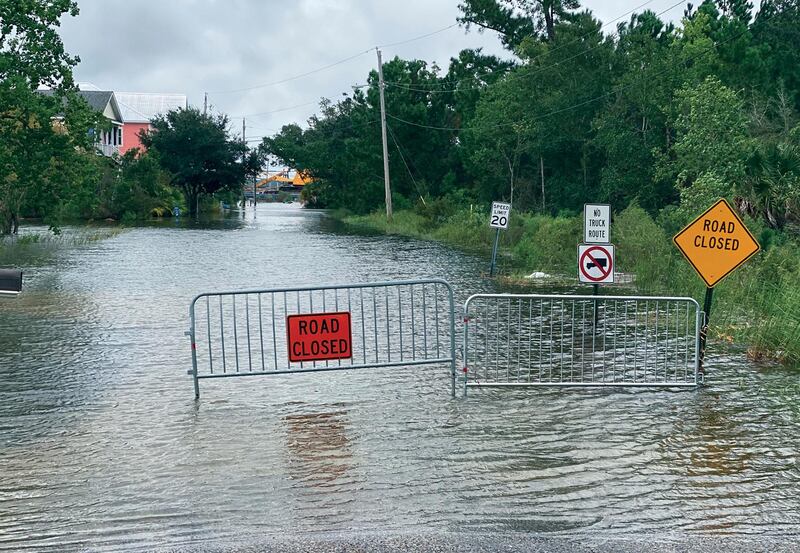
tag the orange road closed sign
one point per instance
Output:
(716, 243)
(319, 337)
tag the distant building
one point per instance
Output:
(139, 109)
(108, 142)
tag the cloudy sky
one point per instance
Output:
(224, 46)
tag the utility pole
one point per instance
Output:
(205, 103)
(244, 155)
(381, 86)
(541, 169)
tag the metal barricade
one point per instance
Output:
(392, 324)
(553, 340)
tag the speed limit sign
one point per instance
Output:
(500, 213)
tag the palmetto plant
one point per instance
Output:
(771, 189)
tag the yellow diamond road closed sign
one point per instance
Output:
(716, 243)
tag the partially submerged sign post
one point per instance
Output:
(499, 220)
(10, 282)
(596, 254)
(597, 242)
(715, 244)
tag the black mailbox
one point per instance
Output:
(10, 281)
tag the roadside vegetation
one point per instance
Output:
(757, 307)
(49, 165)
(657, 119)
(33, 248)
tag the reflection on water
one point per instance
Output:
(319, 448)
(103, 448)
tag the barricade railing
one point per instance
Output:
(392, 324)
(555, 340)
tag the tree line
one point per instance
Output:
(49, 164)
(667, 116)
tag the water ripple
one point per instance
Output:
(104, 449)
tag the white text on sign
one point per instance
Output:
(319, 336)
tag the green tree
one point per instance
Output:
(497, 141)
(197, 153)
(514, 20)
(776, 30)
(635, 124)
(41, 135)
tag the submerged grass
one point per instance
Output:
(758, 306)
(35, 248)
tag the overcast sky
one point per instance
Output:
(193, 46)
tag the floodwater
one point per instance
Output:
(102, 446)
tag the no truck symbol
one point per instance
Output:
(596, 264)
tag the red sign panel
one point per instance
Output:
(319, 337)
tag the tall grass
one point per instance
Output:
(758, 306)
(35, 248)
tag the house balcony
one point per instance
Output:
(108, 150)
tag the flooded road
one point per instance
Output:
(102, 446)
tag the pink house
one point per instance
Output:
(139, 108)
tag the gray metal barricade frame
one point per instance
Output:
(394, 324)
(581, 340)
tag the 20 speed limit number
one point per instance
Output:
(500, 213)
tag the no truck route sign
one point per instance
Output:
(596, 223)
(716, 243)
(596, 263)
(319, 337)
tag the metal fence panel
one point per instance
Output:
(244, 333)
(553, 340)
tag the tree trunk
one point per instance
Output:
(541, 170)
(511, 177)
(6, 223)
(192, 201)
(549, 19)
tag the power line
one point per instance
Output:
(334, 64)
(295, 77)
(557, 48)
(613, 91)
(400, 151)
(420, 37)
(289, 108)
(524, 70)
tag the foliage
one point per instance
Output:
(514, 20)
(198, 154)
(42, 136)
(758, 305)
(654, 116)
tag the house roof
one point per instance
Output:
(97, 99)
(143, 107)
(103, 101)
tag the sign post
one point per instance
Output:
(10, 282)
(596, 230)
(498, 220)
(716, 243)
